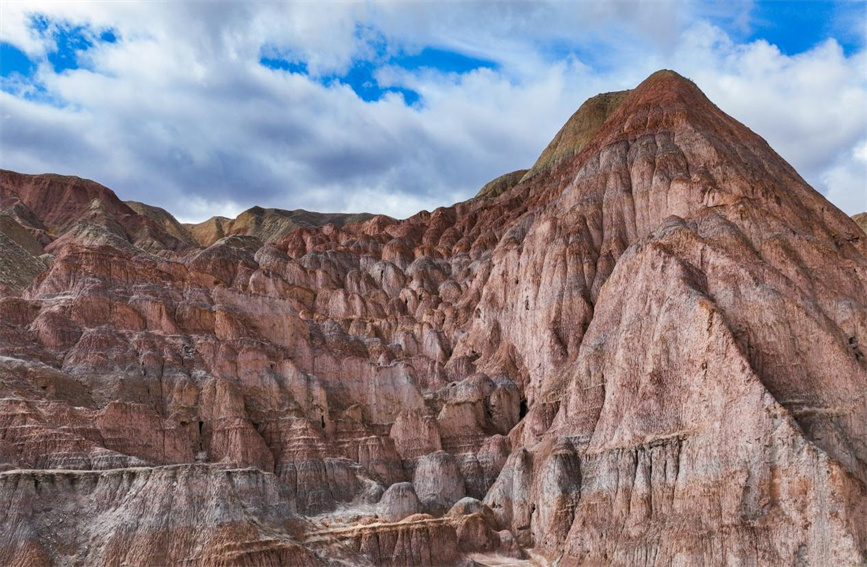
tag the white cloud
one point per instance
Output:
(846, 180)
(180, 114)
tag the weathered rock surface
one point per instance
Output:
(398, 502)
(438, 482)
(19, 233)
(198, 514)
(578, 131)
(268, 225)
(647, 349)
(418, 540)
(164, 219)
(501, 184)
(18, 267)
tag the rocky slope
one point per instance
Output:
(164, 219)
(268, 225)
(501, 184)
(645, 350)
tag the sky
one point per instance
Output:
(209, 108)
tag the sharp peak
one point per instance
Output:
(661, 87)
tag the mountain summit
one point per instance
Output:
(646, 349)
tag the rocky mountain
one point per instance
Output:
(164, 219)
(645, 350)
(268, 225)
(861, 220)
(501, 184)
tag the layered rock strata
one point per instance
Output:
(647, 349)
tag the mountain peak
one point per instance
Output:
(668, 87)
(666, 75)
(662, 87)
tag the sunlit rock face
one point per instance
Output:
(648, 349)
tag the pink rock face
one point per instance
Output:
(647, 349)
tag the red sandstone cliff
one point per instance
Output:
(645, 350)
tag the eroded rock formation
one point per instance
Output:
(648, 349)
(267, 225)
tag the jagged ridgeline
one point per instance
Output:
(647, 349)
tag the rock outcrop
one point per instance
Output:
(438, 482)
(149, 516)
(647, 349)
(398, 502)
(578, 131)
(500, 185)
(268, 225)
(164, 219)
(18, 267)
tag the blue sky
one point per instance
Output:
(797, 26)
(361, 76)
(209, 108)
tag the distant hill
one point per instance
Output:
(268, 225)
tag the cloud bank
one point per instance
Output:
(210, 108)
